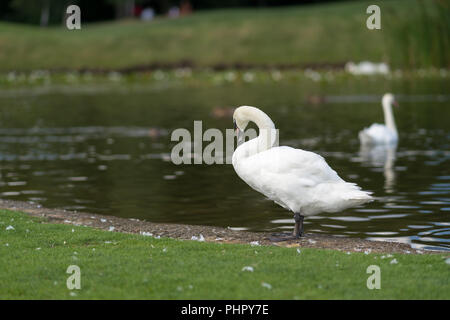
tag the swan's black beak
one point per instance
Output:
(236, 129)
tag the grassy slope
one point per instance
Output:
(134, 266)
(307, 34)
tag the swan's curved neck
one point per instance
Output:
(267, 138)
(389, 116)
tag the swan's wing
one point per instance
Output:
(376, 133)
(293, 167)
(297, 179)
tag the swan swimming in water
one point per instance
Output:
(386, 133)
(298, 180)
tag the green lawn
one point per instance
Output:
(328, 33)
(34, 257)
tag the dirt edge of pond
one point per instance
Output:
(189, 64)
(210, 234)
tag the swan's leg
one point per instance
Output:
(298, 229)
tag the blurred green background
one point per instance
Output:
(221, 34)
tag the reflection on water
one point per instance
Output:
(382, 156)
(110, 153)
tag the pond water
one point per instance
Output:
(108, 152)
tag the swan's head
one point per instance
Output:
(242, 116)
(389, 100)
(267, 132)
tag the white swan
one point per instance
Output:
(382, 133)
(298, 180)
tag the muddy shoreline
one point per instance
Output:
(167, 66)
(210, 234)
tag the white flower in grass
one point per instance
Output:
(394, 261)
(9, 228)
(230, 76)
(276, 75)
(247, 268)
(248, 77)
(254, 243)
(298, 250)
(111, 228)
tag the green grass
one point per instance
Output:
(328, 33)
(35, 255)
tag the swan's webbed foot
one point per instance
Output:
(283, 236)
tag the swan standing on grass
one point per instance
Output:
(298, 180)
(386, 133)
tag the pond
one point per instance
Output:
(107, 151)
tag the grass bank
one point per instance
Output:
(413, 34)
(35, 255)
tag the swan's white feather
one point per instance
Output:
(298, 180)
(378, 134)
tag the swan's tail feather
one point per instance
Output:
(357, 194)
(363, 198)
(342, 196)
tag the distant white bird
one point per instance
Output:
(298, 180)
(366, 68)
(386, 133)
